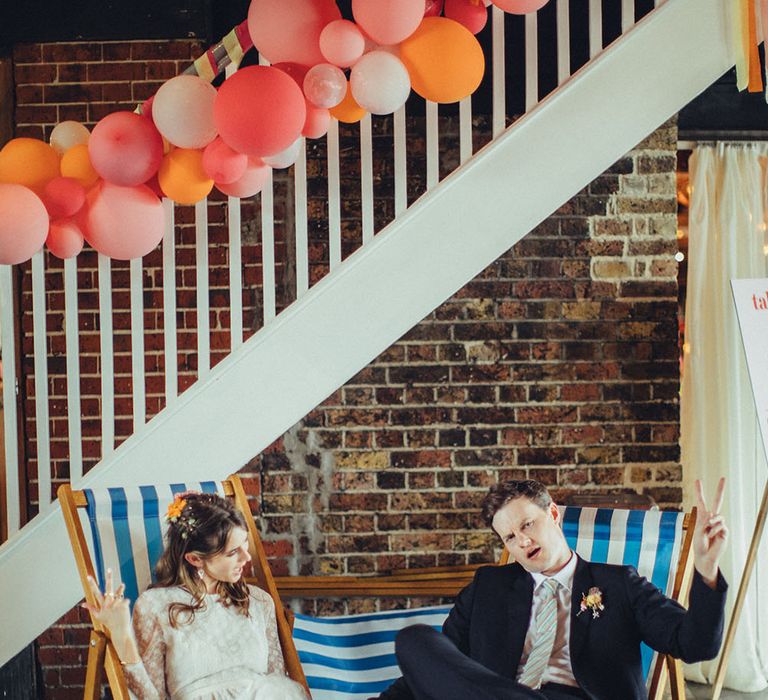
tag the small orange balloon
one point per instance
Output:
(182, 178)
(76, 163)
(444, 59)
(28, 162)
(348, 111)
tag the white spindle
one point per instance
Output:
(334, 196)
(72, 332)
(401, 168)
(201, 263)
(595, 27)
(499, 87)
(433, 146)
(107, 357)
(366, 177)
(12, 506)
(268, 249)
(138, 381)
(465, 129)
(169, 304)
(42, 427)
(235, 272)
(627, 14)
(300, 218)
(563, 41)
(531, 61)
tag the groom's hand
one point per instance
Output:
(710, 534)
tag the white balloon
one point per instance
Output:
(67, 134)
(380, 83)
(183, 111)
(285, 158)
(325, 85)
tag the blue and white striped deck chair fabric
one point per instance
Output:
(649, 540)
(127, 528)
(353, 657)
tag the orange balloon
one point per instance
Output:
(28, 162)
(182, 178)
(76, 163)
(444, 59)
(348, 111)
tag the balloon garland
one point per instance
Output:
(104, 186)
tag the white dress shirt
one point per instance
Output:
(559, 668)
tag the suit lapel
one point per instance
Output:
(519, 616)
(582, 582)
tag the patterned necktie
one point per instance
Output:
(546, 629)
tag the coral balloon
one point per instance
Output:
(222, 164)
(348, 111)
(295, 70)
(325, 85)
(342, 43)
(65, 239)
(67, 134)
(286, 158)
(317, 122)
(76, 163)
(444, 59)
(473, 15)
(28, 162)
(289, 30)
(63, 197)
(379, 82)
(125, 148)
(433, 8)
(182, 177)
(122, 222)
(253, 180)
(183, 111)
(23, 223)
(259, 111)
(388, 21)
(520, 7)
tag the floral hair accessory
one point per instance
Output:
(175, 514)
(592, 600)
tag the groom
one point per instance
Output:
(517, 631)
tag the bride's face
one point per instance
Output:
(228, 566)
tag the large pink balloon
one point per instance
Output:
(289, 30)
(520, 7)
(123, 222)
(388, 21)
(342, 43)
(65, 239)
(259, 111)
(183, 111)
(252, 181)
(125, 148)
(63, 196)
(222, 164)
(23, 223)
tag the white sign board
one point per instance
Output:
(751, 299)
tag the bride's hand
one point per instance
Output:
(111, 608)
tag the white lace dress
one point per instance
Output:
(220, 655)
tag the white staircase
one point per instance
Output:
(380, 292)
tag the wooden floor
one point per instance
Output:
(704, 692)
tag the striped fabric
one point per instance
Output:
(127, 527)
(352, 657)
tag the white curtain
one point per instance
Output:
(719, 430)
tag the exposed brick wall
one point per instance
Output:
(558, 362)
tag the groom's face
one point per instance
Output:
(532, 535)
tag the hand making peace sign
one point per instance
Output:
(710, 534)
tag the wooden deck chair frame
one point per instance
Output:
(102, 657)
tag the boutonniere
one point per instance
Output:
(592, 600)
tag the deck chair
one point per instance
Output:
(352, 656)
(123, 529)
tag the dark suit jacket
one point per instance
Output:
(489, 622)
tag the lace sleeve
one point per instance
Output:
(147, 678)
(275, 661)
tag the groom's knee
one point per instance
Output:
(411, 640)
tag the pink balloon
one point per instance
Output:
(252, 181)
(289, 30)
(520, 7)
(259, 111)
(183, 111)
(65, 239)
(433, 8)
(325, 85)
(23, 223)
(472, 16)
(388, 21)
(125, 148)
(123, 222)
(341, 43)
(222, 164)
(317, 122)
(63, 196)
